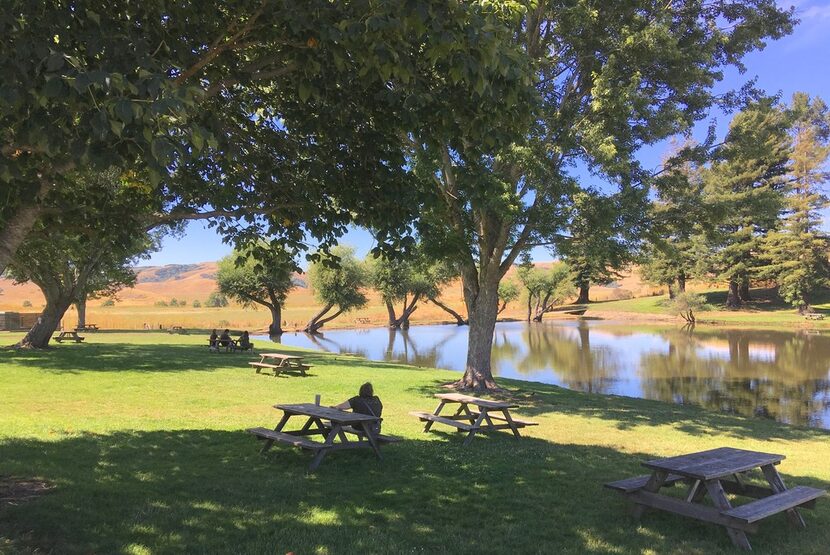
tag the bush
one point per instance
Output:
(108, 302)
(216, 300)
(174, 302)
(686, 304)
(182, 302)
(27, 304)
(196, 304)
(161, 303)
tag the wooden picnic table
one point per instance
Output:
(472, 421)
(69, 336)
(717, 472)
(87, 327)
(279, 363)
(341, 430)
(229, 345)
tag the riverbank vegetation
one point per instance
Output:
(138, 443)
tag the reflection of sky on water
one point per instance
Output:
(775, 374)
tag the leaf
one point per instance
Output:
(55, 61)
(124, 110)
(305, 91)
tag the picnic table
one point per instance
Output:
(717, 472)
(177, 329)
(472, 421)
(353, 430)
(87, 327)
(279, 363)
(69, 336)
(229, 345)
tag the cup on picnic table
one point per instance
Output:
(317, 399)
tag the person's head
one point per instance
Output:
(366, 390)
(227, 331)
(214, 330)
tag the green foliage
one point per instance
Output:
(196, 304)
(174, 302)
(686, 304)
(260, 275)
(161, 303)
(545, 288)
(339, 280)
(216, 300)
(108, 303)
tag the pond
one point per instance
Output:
(777, 374)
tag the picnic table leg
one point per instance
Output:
(475, 428)
(777, 485)
(280, 426)
(437, 411)
(486, 412)
(372, 441)
(506, 413)
(718, 497)
(658, 478)
(318, 456)
(462, 407)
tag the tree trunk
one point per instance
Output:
(584, 287)
(482, 302)
(38, 337)
(529, 305)
(458, 318)
(312, 325)
(393, 318)
(80, 306)
(276, 320)
(672, 291)
(744, 291)
(19, 224)
(733, 298)
(681, 282)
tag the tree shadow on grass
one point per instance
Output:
(535, 399)
(211, 491)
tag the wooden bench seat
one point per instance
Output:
(382, 438)
(517, 421)
(638, 482)
(282, 437)
(424, 416)
(260, 365)
(774, 504)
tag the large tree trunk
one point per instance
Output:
(276, 320)
(482, 302)
(80, 306)
(318, 321)
(458, 318)
(672, 291)
(733, 298)
(38, 337)
(584, 287)
(743, 291)
(393, 318)
(681, 282)
(15, 230)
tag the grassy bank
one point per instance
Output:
(765, 309)
(140, 438)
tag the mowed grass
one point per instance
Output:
(142, 438)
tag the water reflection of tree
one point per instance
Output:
(570, 356)
(332, 346)
(789, 384)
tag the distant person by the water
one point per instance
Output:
(225, 338)
(365, 403)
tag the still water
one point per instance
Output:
(781, 375)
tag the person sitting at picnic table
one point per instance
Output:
(365, 403)
(225, 338)
(245, 341)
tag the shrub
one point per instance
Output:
(108, 302)
(216, 299)
(182, 302)
(174, 302)
(27, 304)
(161, 303)
(196, 304)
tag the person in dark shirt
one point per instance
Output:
(225, 338)
(245, 341)
(365, 403)
(213, 339)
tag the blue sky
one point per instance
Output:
(799, 62)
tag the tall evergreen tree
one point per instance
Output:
(796, 255)
(745, 187)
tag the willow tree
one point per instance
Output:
(609, 77)
(261, 275)
(338, 281)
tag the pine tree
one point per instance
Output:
(796, 254)
(745, 188)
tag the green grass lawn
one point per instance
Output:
(141, 438)
(766, 308)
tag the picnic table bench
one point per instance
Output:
(717, 472)
(69, 336)
(279, 363)
(177, 329)
(472, 421)
(814, 316)
(87, 327)
(341, 430)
